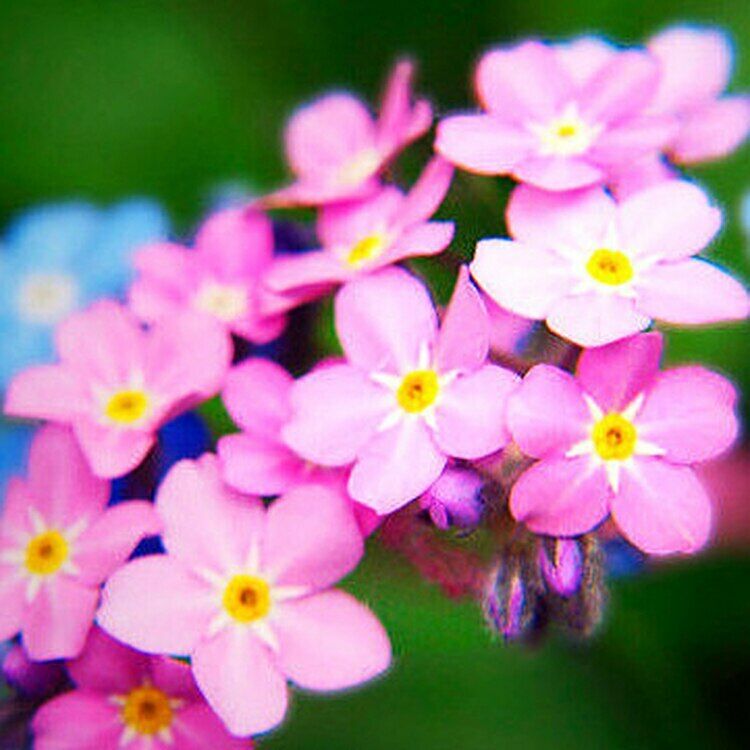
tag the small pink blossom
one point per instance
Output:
(245, 592)
(127, 700)
(361, 236)
(408, 397)
(116, 383)
(219, 277)
(597, 271)
(554, 125)
(620, 439)
(336, 149)
(58, 544)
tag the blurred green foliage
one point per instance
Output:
(102, 99)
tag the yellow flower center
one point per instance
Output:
(566, 130)
(46, 553)
(368, 248)
(147, 710)
(567, 134)
(610, 267)
(247, 598)
(226, 302)
(418, 390)
(614, 437)
(360, 167)
(127, 407)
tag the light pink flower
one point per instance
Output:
(597, 271)
(245, 593)
(257, 396)
(127, 700)
(116, 383)
(359, 237)
(58, 544)
(557, 126)
(336, 149)
(409, 397)
(620, 438)
(220, 277)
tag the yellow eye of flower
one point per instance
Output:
(566, 130)
(368, 248)
(614, 437)
(226, 302)
(610, 267)
(418, 390)
(46, 553)
(147, 710)
(127, 407)
(247, 598)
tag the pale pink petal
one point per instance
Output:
(661, 508)
(713, 131)
(631, 139)
(689, 412)
(336, 410)
(429, 238)
(154, 605)
(312, 538)
(614, 375)
(174, 677)
(672, 220)
(522, 278)
(77, 720)
(396, 466)
(632, 177)
(112, 451)
(483, 143)
(399, 122)
(583, 57)
(463, 341)
(384, 320)
(522, 82)
(15, 521)
(57, 622)
(561, 496)
(594, 319)
(207, 524)
(428, 192)
(45, 392)
(550, 220)
(12, 601)
(558, 173)
(107, 544)
(547, 413)
(241, 681)
(330, 641)
(198, 728)
(471, 415)
(318, 270)
(691, 292)
(507, 331)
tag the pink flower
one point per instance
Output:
(361, 236)
(220, 277)
(58, 544)
(245, 593)
(116, 384)
(409, 397)
(620, 438)
(553, 125)
(597, 271)
(336, 149)
(124, 699)
(257, 395)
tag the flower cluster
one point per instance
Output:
(530, 410)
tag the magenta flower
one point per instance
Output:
(555, 126)
(620, 438)
(336, 149)
(124, 699)
(58, 544)
(597, 271)
(361, 236)
(257, 395)
(408, 397)
(116, 384)
(220, 277)
(245, 593)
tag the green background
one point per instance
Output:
(104, 99)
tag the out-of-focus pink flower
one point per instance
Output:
(558, 126)
(728, 480)
(620, 438)
(116, 384)
(408, 397)
(597, 271)
(33, 679)
(361, 236)
(245, 593)
(58, 544)
(124, 699)
(336, 149)
(257, 395)
(220, 277)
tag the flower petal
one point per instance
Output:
(45, 392)
(112, 451)
(12, 601)
(311, 271)
(558, 173)
(199, 728)
(428, 192)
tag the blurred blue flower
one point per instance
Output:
(61, 257)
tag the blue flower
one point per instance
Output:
(61, 257)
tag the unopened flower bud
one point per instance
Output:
(561, 563)
(454, 499)
(34, 679)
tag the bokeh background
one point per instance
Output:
(101, 99)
